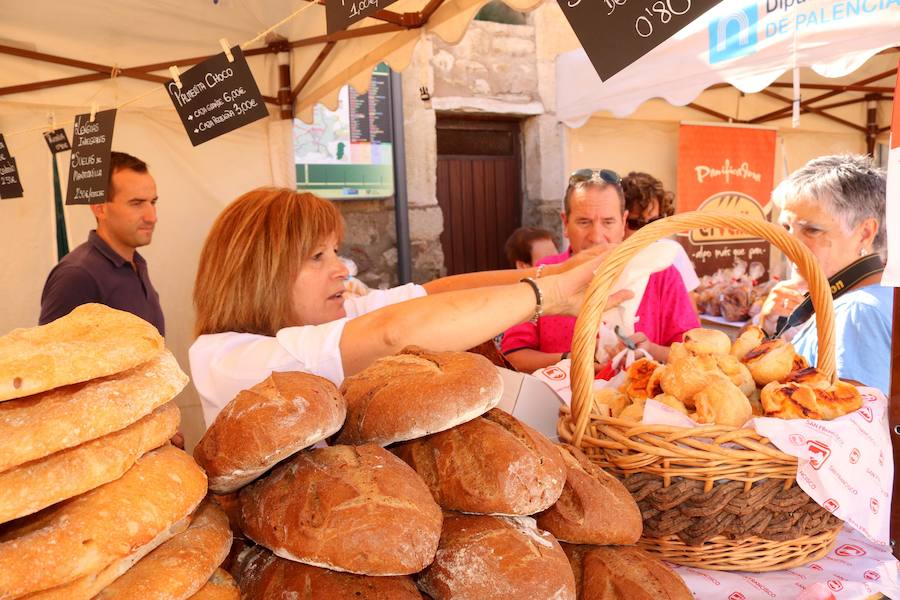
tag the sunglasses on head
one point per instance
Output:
(598, 175)
(635, 224)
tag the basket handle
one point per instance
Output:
(585, 334)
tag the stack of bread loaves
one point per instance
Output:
(93, 499)
(717, 381)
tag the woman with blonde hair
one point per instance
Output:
(269, 296)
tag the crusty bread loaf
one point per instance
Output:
(35, 427)
(623, 573)
(85, 588)
(221, 586)
(91, 341)
(771, 360)
(486, 558)
(267, 423)
(722, 403)
(36, 485)
(85, 534)
(181, 566)
(345, 508)
(594, 508)
(707, 341)
(415, 393)
(264, 576)
(493, 464)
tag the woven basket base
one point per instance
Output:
(751, 554)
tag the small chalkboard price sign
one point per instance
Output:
(340, 14)
(89, 162)
(615, 33)
(10, 184)
(217, 96)
(57, 141)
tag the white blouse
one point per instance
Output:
(223, 364)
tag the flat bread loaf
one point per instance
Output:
(85, 534)
(496, 558)
(181, 566)
(265, 576)
(623, 573)
(493, 464)
(594, 508)
(417, 392)
(358, 509)
(267, 423)
(34, 486)
(91, 341)
(221, 586)
(35, 427)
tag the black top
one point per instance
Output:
(94, 272)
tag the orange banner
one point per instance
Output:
(731, 169)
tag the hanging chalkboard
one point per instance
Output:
(89, 162)
(217, 96)
(10, 184)
(57, 141)
(340, 14)
(615, 33)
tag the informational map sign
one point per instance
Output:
(57, 141)
(340, 14)
(89, 162)
(217, 96)
(615, 33)
(348, 153)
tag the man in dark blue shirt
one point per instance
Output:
(107, 268)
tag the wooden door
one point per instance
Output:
(479, 191)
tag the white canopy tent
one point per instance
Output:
(59, 58)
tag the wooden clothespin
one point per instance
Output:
(226, 47)
(176, 75)
(93, 111)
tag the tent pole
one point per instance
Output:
(871, 122)
(401, 201)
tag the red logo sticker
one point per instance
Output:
(881, 458)
(854, 456)
(816, 567)
(835, 585)
(850, 550)
(818, 453)
(737, 596)
(831, 505)
(872, 575)
(797, 439)
(873, 505)
(554, 373)
(866, 412)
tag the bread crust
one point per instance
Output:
(494, 464)
(415, 393)
(91, 341)
(221, 586)
(623, 573)
(358, 509)
(37, 426)
(262, 426)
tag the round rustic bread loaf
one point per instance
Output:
(264, 576)
(85, 534)
(594, 508)
(37, 426)
(267, 423)
(91, 341)
(415, 393)
(707, 341)
(356, 509)
(486, 558)
(178, 568)
(772, 360)
(31, 487)
(623, 573)
(221, 586)
(493, 464)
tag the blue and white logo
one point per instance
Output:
(733, 35)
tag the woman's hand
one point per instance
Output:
(659, 353)
(576, 260)
(564, 293)
(783, 298)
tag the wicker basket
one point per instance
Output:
(714, 497)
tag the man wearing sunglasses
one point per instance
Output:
(594, 215)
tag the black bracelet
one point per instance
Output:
(538, 297)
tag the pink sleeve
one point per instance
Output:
(518, 337)
(666, 312)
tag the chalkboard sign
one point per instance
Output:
(10, 184)
(89, 163)
(615, 33)
(57, 140)
(217, 96)
(4, 150)
(340, 14)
